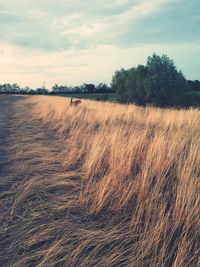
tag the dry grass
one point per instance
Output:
(125, 191)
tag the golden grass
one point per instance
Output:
(127, 193)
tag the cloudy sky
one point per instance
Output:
(76, 41)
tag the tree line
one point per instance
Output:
(86, 88)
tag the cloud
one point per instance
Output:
(177, 22)
(63, 25)
(87, 30)
(55, 40)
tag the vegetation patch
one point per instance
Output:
(112, 185)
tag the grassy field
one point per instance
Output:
(98, 97)
(107, 185)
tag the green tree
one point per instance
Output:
(164, 85)
(118, 84)
(56, 88)
(134, 85)
(158, 83)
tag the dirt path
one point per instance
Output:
(27, 151)
(6, 114)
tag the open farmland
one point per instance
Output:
(98, 184)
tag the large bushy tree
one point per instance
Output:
(159, 83)
(164, 85)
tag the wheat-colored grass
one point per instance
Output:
(128, 192)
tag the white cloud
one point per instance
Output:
(87, 30)
(144, 8)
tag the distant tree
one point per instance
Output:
(32, 92)
(78, 89)
(88, 88)
(194, 85)
(15, 88)
(7, 88)
(27, 89)
(118, 84)
(102, 88)
(41, 91)
(55, 89)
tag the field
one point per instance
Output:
(96, 96)
(98, 184)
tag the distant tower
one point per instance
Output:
(44, 86)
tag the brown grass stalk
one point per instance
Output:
(125, 191)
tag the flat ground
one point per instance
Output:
(69, 196)
(26, 151)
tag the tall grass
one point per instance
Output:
(128, 193)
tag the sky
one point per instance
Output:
(70, 42)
